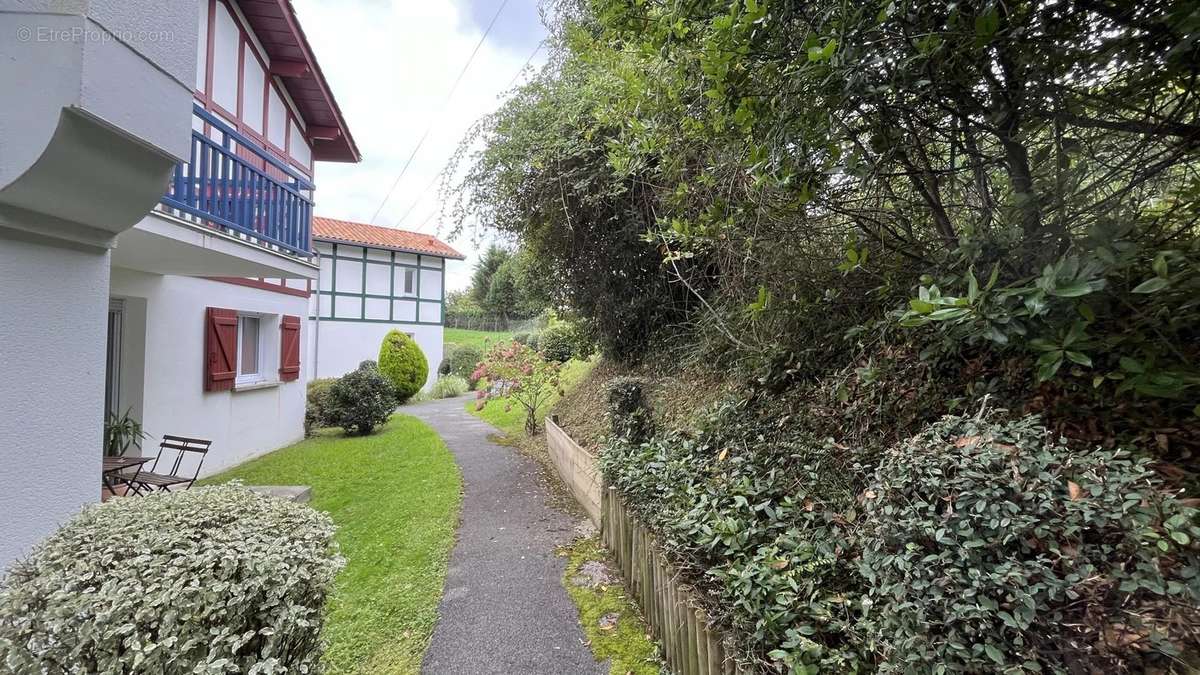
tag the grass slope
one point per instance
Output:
(395, 497)
(475, 338)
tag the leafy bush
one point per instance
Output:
(361, 400)
(444, 365)
(754, 513)
(976, 544)
(213, 579)
(990, 547)
(449, 386)
(463, 362)
(316, 411)
(559, 342)
(403, 363)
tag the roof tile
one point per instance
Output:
(387, 237)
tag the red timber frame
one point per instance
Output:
(205, 99)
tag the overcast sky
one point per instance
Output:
(391, 64)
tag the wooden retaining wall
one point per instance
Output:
(690, 645)
(577, 469)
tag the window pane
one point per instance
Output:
(248, 359)
(410, 281)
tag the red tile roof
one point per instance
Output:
(331, 229)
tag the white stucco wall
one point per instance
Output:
(241, 424)
(345, 344)
(52, 342)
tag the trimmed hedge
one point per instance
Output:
(403, 363)
(212, 579)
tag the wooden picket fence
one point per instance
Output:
(691, 645)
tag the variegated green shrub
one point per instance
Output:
(209, 580)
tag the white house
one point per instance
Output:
(372, 280)
(156, 253)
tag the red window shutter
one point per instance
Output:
(220, 349)
(289, 348)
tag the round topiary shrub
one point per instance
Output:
(403, 363)
(212, 579)
(361, 399)
(989, 547)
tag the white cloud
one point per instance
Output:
(390, 66)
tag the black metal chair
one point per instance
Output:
(151, 480)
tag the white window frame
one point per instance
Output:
(258, 376)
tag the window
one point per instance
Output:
(249, 351)
(410, 282)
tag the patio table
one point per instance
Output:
(113, 467)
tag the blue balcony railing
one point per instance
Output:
(230, 182)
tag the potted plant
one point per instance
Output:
(122, 432)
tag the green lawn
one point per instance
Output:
(475, 338)
(395, 497)
(512, 421)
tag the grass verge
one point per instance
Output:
(395, 497)
(626, 642)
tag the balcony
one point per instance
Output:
(232, 184)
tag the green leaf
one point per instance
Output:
(1152, 285)
(920, 306)
(1130, 365)
(994, 654)
(972, 286)
(1160, 265)
(1072, 290)
(1081, 359)
(1180, 538)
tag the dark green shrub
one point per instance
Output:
(763, 517)
(212, 579)
(990, 547)
(444, 365)
(316, 411)
(463, 361)
(361, 400)
(403, 363)
(558, 342)
(522, 338)
(629, 413)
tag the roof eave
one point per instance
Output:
(343, 149)
(398, 249)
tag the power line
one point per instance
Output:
(434, 119)
(437, 175)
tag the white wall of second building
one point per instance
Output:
(345, 344)
(163, 367)
(52, 355)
